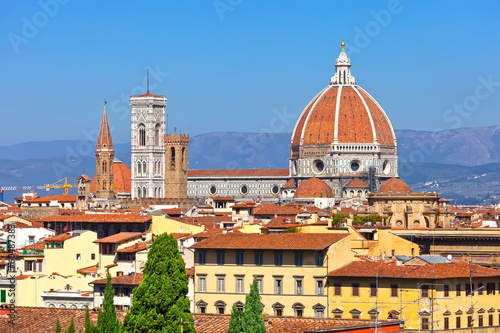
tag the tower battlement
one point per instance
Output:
(176, 138)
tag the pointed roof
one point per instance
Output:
(104, 140)
(343, 69)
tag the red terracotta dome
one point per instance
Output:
(313, 188)
(122, 178)
(395, 185)
(345, 114)
(356, 183)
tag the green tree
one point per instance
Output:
(58, 326)
(159, 303)
(71, 327)
(252, 321)
(89, 326)
(338, 218)
(106, 320)
(235, 323)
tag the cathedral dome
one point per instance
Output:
(395, 185)
(313, 188)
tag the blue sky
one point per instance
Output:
(240, 65)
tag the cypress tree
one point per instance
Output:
(58, 326)
(89, 326)
(160, 301)
(235, 323)
(106, 320)
(252, 321)
(71, 328)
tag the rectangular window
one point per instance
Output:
(239, 258)
(202, 257)
(373, 290)
(480, 322)
(469, 289)
(480, 288)
(258, 258)
(298, 259)
(298, 287)
(458, 290)
(319, 258)
(319, 313)
(457, 322)
(39, 262)
(425, 291)
(425, 323)
(78, 256)
(278, 286)
(220, 258)
(490, 288)
(202, 284)
(3, 296)
(278, 258)
(201, 309)
(446, 290)
(29, 266)
(337, 289)
(355, 289)
(490, 320)
(446, 323)
(259, 284)
(319, 287)
(239, 285)
(469, 321)
(220, 284)
(394, 290)
(92, 256)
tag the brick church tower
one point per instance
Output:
(104, 156)
(176, 165)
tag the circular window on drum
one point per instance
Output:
(386, 167)
(244, 189)
(355, 165)
(212, 190)
(318, 166)
(275, 189)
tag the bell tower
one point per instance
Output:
(104, 156)
(176, 164)
(147, 145)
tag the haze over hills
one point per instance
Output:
(462, 164)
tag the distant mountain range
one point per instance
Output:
(462, 164)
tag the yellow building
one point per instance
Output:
(162, 224)
(430, 293)
(290, 269)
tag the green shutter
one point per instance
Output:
(3, 296)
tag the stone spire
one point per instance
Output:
(343, 69)
(104, 140)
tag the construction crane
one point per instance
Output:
(64, 186)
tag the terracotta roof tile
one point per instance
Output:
(356, 182)
(99, 218)
(131, 279)
(271, 209)
(409, 271)
(60, 238)
(119, 237)
(283, 241)
(243, 205)
(88, 270)
(291, 183)
(59, 198)
(134, 248)
(313, 188)
(394, 185)
(222, 198)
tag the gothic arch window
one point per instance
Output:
(144, 192)
(104, 185)
(104, 167)
(144, 170)
(172, 158)
(138, 192)
(157, 135)
(142, 135)
(139, 168)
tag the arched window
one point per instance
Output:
(142, 135)
(138, 192)
(157, 134)
(183, 158)
(144, 169)
(139, 169)
(104, 185)
(104, 167)
(144, 195)
(172, 158)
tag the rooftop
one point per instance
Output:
(119, 238)
(131, 279)
(283, 241)
(98, 218)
